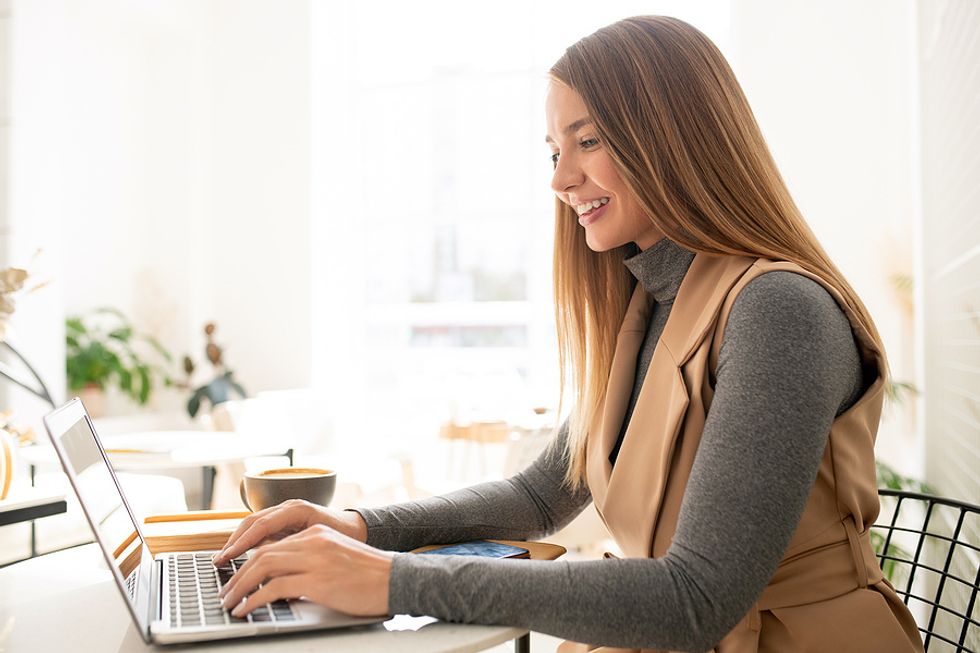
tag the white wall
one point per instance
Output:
(949, 274)
(259, 243)
(832, 86)
(166, 145)
(32, 207)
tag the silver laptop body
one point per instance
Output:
(170, 598)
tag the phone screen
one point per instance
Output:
(481, 548)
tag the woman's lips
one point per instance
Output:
(589, 217)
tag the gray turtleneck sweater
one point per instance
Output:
(788, 365)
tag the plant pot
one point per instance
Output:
(93, 398)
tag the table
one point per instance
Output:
(67, 601)
(28, 506)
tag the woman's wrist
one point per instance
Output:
(354, 525)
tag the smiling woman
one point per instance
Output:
(727, 385)
(586, 178)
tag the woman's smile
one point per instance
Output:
(592, 211)
(586, 179)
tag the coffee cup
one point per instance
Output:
(260, 490)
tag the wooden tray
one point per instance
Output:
(207, 530)
(197, 530)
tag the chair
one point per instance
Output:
(929, 548)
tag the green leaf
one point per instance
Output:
(194, 403)
(126, 381)
(75, 324)
(122, 333)
(897, 391)
(145, 384)
(893, 570)
(891, 479)
(153, 342)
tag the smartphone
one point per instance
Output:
(480, 548)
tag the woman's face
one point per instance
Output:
(586, 179)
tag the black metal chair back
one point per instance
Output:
(929, 549)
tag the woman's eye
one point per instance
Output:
(589, 142)
(554, 159)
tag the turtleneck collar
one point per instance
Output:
(660, 269)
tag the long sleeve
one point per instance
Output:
(532, 504)
(788, 365)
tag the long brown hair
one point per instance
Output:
(670, 113)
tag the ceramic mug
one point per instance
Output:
(261, 490)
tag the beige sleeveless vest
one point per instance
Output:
(828, 593)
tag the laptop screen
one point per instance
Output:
(97, 491)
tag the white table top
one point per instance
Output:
(67, 601)
(28, 497)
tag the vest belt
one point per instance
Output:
(825, 572)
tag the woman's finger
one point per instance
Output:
(263, 566)
(319, 532)
(282, 587)
(243, 526)
(261, 526)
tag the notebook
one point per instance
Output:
(173, 598)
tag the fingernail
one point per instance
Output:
(239, 610)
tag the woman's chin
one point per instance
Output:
(598, 244)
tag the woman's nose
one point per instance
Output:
(566, 175)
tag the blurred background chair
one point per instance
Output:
(929, 549)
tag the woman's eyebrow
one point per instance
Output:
(572, 128)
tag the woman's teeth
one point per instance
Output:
(582, 209)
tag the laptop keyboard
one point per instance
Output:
(131, 584)
(194, 586)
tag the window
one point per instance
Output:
(433, 211)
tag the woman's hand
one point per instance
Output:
(287, 518)
(319, 564)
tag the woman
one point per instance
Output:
(728, 385)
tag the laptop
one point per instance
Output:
(173, 598)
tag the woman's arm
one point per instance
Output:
(531, 504)
(787, 367)
(321, 554)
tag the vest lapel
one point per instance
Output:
(607, 425)
(629, 496)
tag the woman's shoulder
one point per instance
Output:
(784, 321)
(783, 295)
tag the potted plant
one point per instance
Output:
(221, 388)
(103, 350)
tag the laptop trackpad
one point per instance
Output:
(307, 611)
